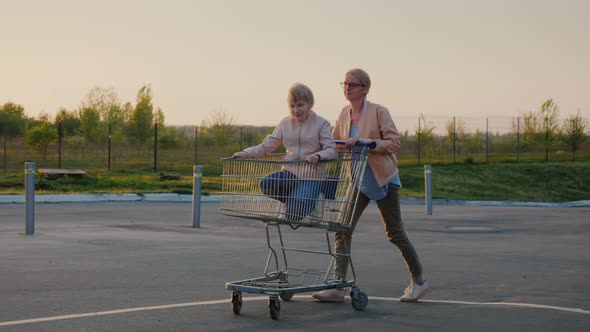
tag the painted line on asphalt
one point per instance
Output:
(259, 298)
(110, 312)
(506, 304)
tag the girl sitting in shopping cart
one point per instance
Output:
(307, 138)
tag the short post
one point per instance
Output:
(428, 189)
(29, 198)
(197, 174)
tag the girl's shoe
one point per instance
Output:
(330, 295)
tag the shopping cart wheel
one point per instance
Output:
(274, 306)
(286, 296)
(359, 300)
(236, 302)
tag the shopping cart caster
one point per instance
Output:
(286, 296)
(274, 306)
(358, 299)
(236, 302)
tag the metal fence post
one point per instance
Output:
(517, 139)
(196, 144)
(60, 137)
(29, 198)
(419, 143)
(546, 138)
(428, 189)
(197, 175)
(487, 141)
(241, 137)
(574, 146)
(454, 138)
(110, 138)
(5, 163)
(155, 147)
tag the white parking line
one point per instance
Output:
(111, 312)
(259, 298)
(506, 304)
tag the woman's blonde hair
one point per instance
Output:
(300, 92)
(360, 75)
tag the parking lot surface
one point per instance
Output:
(140, 266)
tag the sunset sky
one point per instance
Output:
(473, 58)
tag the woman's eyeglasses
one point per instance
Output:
(350, 85)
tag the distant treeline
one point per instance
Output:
(103, 124)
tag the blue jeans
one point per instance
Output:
(299, 196)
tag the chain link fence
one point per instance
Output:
(425, 140)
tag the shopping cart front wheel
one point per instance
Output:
(236, 302)
(358, 299)
(274, 307)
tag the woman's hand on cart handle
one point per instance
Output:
(240, 155)
(356, 142)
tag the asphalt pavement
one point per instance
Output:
(137, 264)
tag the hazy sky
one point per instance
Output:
(438, 57)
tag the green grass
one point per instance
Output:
(525, 181)
(534, 182)
(112, 182)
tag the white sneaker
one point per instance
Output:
(330, 295)
(414, 292)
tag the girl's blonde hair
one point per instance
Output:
(300, 92)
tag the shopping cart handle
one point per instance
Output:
(370, 145)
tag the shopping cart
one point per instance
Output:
(295, 194)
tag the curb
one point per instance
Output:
(90, 198)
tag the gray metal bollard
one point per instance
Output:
(197, 177)
(428, 189)
(29, 198)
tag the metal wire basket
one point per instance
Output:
(250, 190)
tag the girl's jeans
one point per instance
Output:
(299, 196)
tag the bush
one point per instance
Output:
(470, 160)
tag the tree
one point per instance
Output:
(142, 117)
(160, 118)
(548, 114)
(220, 127)
(106, 102)
(110, 112)
(40, 137)
(477, 142)
(168, 138)
(90, 124)
(455, 127)
(530, 126)
(70, 122)
(119, 132)
(426, 134)
(12, 119)
(44, 118)
(537, 125)
(572, 133)
(126, 111)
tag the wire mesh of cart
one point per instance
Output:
(295, 194)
